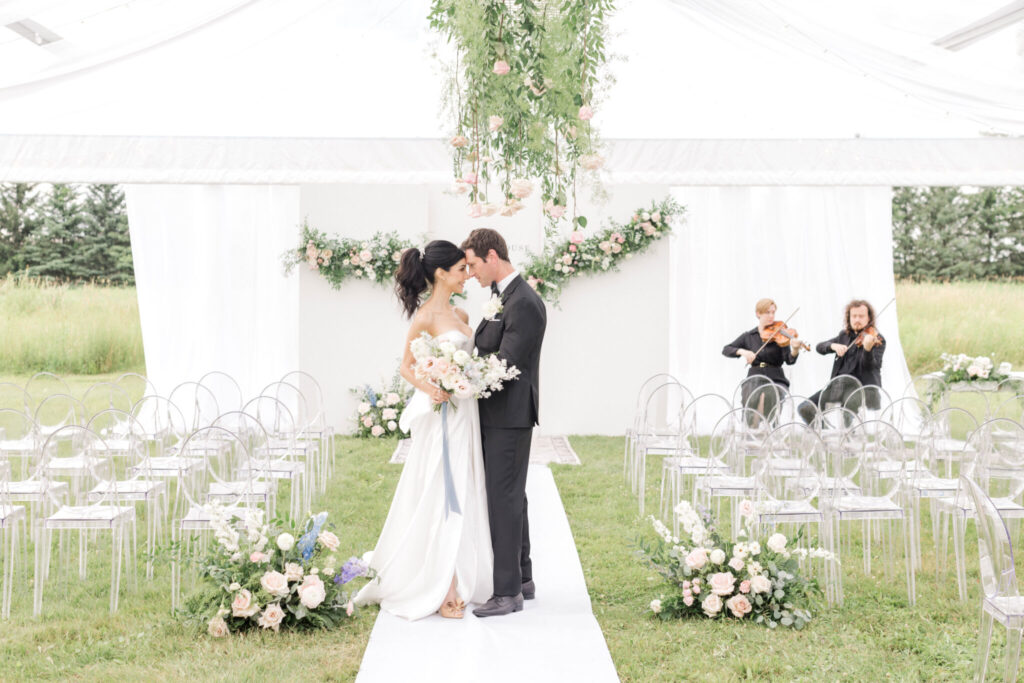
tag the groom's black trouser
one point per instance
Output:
(506, 460)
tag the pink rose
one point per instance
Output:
(739, 606)
(377, 430)
(471, 178)
(556, 211)
(257, 557)
(697, 558)
(586, 113)
(521, 188)
(243, 605)
(695, 589)
(656, 216)
(218, 628)
(722, 583)
(572, 247)
(367, 421)
(490, 209)
(365, 256)
(687, 600)
(349, 608)
(272, 617)
(459, 141)
(533, 282)
(312, 592)
(736, 564)
(441, 367)
(494, 123)
(576, 237)
(616, 248)
(501, 67)
(275, 583)
(329, 540)
(744, 587)
(746, 508)
(712, 605)
(591, 162)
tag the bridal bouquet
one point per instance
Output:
(379, 409)
(461, 373)
(270, 576)
(754, 579)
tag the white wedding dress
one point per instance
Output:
(423, 543)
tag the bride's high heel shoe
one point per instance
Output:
(452, 609)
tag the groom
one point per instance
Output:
(508, 416)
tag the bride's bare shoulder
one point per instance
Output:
(463, 316)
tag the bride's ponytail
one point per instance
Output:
(416, 271)
(411, 280)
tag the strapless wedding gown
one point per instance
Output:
(423, 544)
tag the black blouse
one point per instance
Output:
(768, 361)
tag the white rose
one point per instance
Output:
(312, 592)
(392, 425)
(234, 586)
(389, 414)
(218, 628)
(364, 408)
(272, 617)
(656, 606)
(711, 605)
(717, 556)
(697, 558)
(736, 564)
(329, 540)
(275, 583)
(776, 543)
(293, 571)
(1005, 368)
(392, 399)
(760, 584)
(286, 542)
(460, 357)
(377, 430)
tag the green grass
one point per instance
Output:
(86, 329)
(976, 318)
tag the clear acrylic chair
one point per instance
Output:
(11, 552)
(136, 385)
(162, 422)
(21, 448)
(931, 389)
(868, 401)
(881, 499)
(225, 390)
(43, 385)
(19, 440)
(1011, 407)
(836, 391)
(311, 388)
(14, 397)
(660, 431)
(307, 426)
(908, 414)
(104, 396)
(788, 409)
(758, 393)
(1001, 600)
(197, 404)
(192, 515)
(56, 411)
(690, 459)
(947, 430)
(108, 513)
(636, 423)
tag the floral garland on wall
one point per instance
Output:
(521, 94)
(564, 259)
(339, 259)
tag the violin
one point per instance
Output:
(783, 336)
(859, 339)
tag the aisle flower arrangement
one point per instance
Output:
(579, 254)
(379, 410)
(964, 368)
(462, 374)
(753, 579)
(339, 259)
(274, 576)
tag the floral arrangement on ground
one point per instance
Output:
(964, 368)
(379, 409)
(272, 576)
(759, 580)
(565, 259)
(339, 259)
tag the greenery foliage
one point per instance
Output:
(339, 259)
(954, 233)
(521, 94)
(67, 233)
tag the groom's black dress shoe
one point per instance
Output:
(499, 605)
(529, 590)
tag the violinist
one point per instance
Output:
(766, 347)
(858, 348)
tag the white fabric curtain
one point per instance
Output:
(807, 247)
(211, 287)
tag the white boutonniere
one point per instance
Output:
(492, 307)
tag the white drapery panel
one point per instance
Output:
(128, 159)
(212, 292)
(806, 247)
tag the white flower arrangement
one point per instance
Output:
(461, 374)
(964, 368)
(492, 308)
(379, 409)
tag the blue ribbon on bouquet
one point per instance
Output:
(451, 501)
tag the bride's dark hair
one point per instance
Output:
(416, 271)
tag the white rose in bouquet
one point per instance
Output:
(364, 408)
(712, 605)
(1005, 368)
(286, 542)
(447, 348)
(717, 556)
(218, 628)
(272, 617)
(760, 584)
(460, 357)
(275, 583)
(656, 606)
(293, 571)
(392, 399)
(243, 605)
(722, 583)
(312, 592)
(329, 540)
(736, 564)
(389, 414)
(697, 558)
(777, 543)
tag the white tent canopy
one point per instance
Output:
(302, 101)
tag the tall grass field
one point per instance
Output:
(68, 329)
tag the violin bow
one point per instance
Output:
(785, 323)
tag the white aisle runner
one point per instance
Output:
(555, 638)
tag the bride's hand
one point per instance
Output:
(439, 395)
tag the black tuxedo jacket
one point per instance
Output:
(866, 366)
(516, 336)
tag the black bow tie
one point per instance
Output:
(494, 289)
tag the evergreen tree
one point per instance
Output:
(106, 250)
(51, 250)
(19, 219)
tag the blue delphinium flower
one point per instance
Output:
(307, 544)
(351, 569)
(372, 395)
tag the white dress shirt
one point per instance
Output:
(505, 282)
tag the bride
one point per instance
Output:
(429, 558)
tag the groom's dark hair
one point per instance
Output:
(482, 240)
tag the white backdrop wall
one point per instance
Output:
(809, 247)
